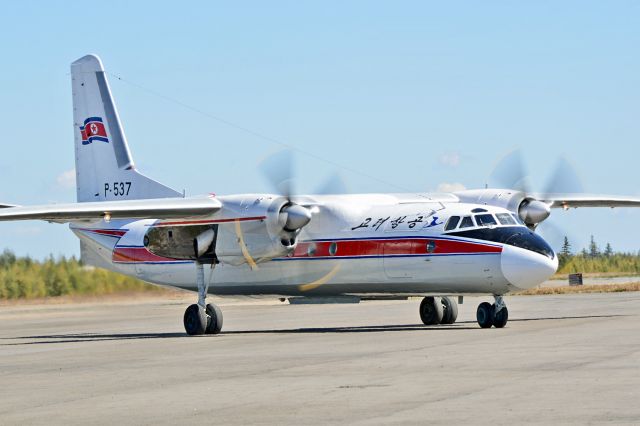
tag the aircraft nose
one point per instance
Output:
(525, 268)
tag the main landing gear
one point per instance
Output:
(495, 314)
(444, 310)
(202, 318)
(438, 310)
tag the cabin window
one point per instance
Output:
(485, 220)
(431, 246)
(333, 249)
(311, 250)
(466, 222)
(452, 223)
(505, 219)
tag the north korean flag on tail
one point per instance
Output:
(93, 130)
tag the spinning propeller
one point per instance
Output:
(511, 173)
(278, 169)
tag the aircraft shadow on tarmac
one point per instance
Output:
(100, 337)
(460, 325)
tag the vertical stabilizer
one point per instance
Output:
(104, 167)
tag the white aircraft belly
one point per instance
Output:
(439, 274)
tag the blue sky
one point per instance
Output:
(418, 94)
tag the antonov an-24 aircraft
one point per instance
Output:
(370, 246)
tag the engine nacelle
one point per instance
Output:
(248, 229)
(530, 210)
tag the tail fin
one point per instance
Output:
(104, 167)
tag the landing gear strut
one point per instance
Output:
(438, 310)
(501, 313)
(202, 318)
(495, 314)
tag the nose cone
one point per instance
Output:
(525, 268)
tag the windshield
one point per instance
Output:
(467, 222)
(505, 219)
(485, 220)
(452, 223)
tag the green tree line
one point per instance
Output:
(593, 260)
(25, 278)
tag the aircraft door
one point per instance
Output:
(404, 244)
(397, 265)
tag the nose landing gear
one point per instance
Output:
(495, 315)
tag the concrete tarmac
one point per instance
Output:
(569, 359)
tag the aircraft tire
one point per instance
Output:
(485, 315)
(501, 317)
(450, 310)
(195, 320)
(214, 319)
(431, 311)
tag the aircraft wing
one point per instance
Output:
(130, 209)
(587, 200)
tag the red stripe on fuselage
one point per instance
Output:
(136, 255)
(346, 248)
(108, 232)
(391, 247)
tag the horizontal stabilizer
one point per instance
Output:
(160, 208)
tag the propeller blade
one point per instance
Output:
(564, 179)
(552, 234)
(334, 185)
(320, 281)
(243, 247)
(510, 172)
(277, 168)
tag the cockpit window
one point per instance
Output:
(505, 219)
(452, 223)
(517, 218)
(485, 220)
(466, 222)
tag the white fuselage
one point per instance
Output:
(356, 244)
